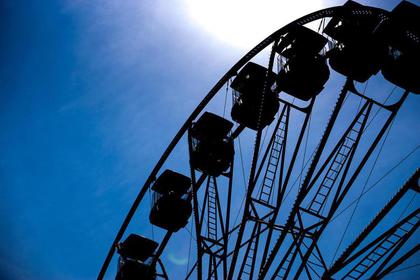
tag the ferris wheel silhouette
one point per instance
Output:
(261, 208)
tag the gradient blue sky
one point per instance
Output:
(91, 93)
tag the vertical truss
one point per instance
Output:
(264, 203)
(253, 170)
(211, 221)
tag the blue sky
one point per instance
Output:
(91, 93)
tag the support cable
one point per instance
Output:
(377, 182)
(304, 150)
(298, 177)
(407, 206)
(379, 109)
(189, 251)
(243, 177)
(226, 95)
(405, 268)
(242, 160)
(262, 143)
(151, 205)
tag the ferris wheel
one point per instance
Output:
(256, 190)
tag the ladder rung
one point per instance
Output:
(366, 266)
(398, 236)
(369, 259)
(346, 146)
(384, 251)
(325, 186)
(387, 240)
(265, 194)
(405, 231)
(376, 254)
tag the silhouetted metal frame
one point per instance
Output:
(251, 179)
(395, 250)
(255, 217)
(329, 12)
(301, 195)
(206, 245)
(391, 251)
(307, 189)
(342, 190)
(282, 182)
(164, 275)
(343, 260)
(339, 195)
(398, 262)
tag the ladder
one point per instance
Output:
(211, 209)
(282, 270)
(336, 166)
(382, 248)
(266, 189)
(247, 268)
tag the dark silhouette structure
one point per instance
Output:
(249, 86)
(359, 53)
(134, 252)
(401, 33)
(212, 150)
(171, 206)
(356, 41)
(301, 48)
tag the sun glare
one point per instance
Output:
(243, 23)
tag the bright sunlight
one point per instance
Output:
(244, 23)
